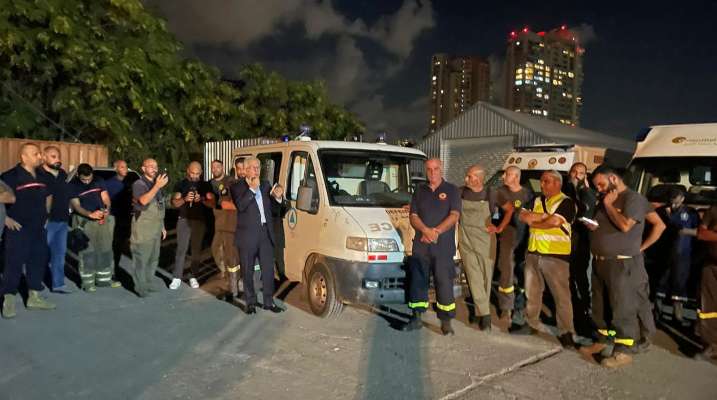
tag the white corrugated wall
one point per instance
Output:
(223, 151)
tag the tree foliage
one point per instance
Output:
(109, 72)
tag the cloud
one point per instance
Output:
(585, 34)
(311, 40)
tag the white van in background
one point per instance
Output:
(676, 157)
(534, 160)
(347, 232)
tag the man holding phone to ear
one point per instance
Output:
(619, 276)
(255, 234)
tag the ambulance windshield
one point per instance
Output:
(656, 177)
(367, 178)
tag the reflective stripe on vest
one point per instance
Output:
(553, 240)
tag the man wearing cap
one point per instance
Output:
(707, 313)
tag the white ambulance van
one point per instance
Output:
(668, 157)
(534, 160)
(347, 232)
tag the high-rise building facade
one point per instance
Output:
(457, 82)
(544, 74)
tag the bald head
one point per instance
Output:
(511, 176)
(475, 177)
(194, 171)
(149, 168)
(30, 157)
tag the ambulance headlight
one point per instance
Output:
(382, 245)
(356, 243)
(371, 245)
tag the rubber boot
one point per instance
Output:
(8, 306)
(35, 302)
(484, 323)
(414, 323)
(446, 327)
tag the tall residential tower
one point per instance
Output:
(457, 82)
(544, 74)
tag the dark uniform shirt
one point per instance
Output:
(120, 192)
(434, 206)
(518, 199)
(90, 195)
(196, 211)
(30, 198)
(60, 191)
(609, 241)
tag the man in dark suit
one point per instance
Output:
(254, 234)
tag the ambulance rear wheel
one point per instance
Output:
(321, 290)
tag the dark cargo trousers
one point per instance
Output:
(622, 287)
(24, 248)
(427, 260)
(510, 269)
(708, 307)
(189, 231)
(580, 281)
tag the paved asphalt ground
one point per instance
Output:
(187, 344)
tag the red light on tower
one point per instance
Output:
(512, 34)
(525, 30)
(563, 27)
(542, 33)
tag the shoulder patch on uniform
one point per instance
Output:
(442, 196)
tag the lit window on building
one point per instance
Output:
(545, 113)
(519, 82)
(570, 74)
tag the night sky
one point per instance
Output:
(644, 64)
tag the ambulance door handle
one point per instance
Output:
(326, 222)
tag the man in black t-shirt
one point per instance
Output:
(91, 204)
(192, 197)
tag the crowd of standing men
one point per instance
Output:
(552, 239)
(43, 213)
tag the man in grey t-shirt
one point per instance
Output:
(618, 269)
(6, 197)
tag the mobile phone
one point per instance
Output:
(588, 221)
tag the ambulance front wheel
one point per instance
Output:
(321, 287)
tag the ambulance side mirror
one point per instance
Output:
(304, 200)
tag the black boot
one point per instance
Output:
(484, 323)
(446, 328)
(414, 323)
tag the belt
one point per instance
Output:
(609, 258)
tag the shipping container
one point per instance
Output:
(72, 154)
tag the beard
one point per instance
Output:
(56, 166)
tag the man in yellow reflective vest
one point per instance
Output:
(708, 287)
(548, 258)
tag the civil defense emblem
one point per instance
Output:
(442, 196)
